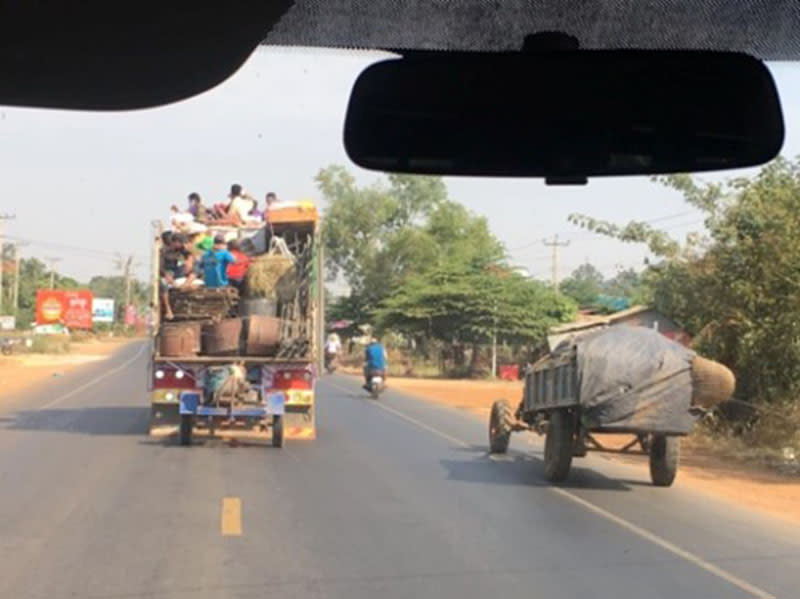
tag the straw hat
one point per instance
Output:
(712, 383)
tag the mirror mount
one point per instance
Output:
(549, 41)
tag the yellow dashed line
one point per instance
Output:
(231, 521)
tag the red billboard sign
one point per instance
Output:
(73, 309)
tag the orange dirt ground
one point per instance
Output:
(701, 469)
(28, 370)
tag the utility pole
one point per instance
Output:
(3, 218)
(126, 265)
(53, 260)
(554, 245)
(17, 271)
(320, 332)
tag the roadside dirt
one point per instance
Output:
(701, 468)
(28, 370)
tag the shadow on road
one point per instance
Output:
(100, 420)
(527, 470)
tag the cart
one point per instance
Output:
(550, 406)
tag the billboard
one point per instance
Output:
(73, 309)
(102, 309)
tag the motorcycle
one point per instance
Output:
(330, 362)
(376, 384)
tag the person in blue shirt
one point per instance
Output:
(375, 360)
(215, 263)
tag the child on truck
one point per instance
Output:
(215, 263)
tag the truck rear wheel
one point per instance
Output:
(500, 426)
(559, 445)
(185, 431)
(277, 431)
(664, 457)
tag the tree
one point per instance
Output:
(735, 288)
(454, 301)
(630, 284)
(583, 285)
(372, 234)
(376, 235)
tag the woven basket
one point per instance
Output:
(712, 383)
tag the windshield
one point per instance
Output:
(237, 365)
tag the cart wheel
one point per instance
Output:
(277, 431)
(558, 446)
(664, 456)
(500, 423)
(187, 424)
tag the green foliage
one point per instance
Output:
(423, 265)
(736, 288)
(376, 235)
(583, 285)
(587, 286)
(457, 302)
(50, 344)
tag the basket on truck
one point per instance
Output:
(621, 380)
(241, 361)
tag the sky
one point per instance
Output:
(85, 187)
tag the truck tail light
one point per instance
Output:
(171, 377)
(292, 379)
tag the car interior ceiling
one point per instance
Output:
(124, 55)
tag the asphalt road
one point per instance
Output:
(395, 498)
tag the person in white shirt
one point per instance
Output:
(332, 348)
(240, 204)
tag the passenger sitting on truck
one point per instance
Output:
(236, 210)
(196, 208)
(375, 360)
(175, 269)
(215, 263)
(237, 270)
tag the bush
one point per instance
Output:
(50, 344)
(766, 434)
(81, 336)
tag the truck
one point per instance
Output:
(242, 362)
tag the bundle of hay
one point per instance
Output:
(712, 383)
(272, 276)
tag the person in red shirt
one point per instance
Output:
(237, 271)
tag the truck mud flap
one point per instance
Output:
(164, 419)
(300, 423)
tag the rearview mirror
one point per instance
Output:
(564, 115)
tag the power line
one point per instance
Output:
(590, 235)
(61, 246)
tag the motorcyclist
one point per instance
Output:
(332, 348)
(375, 361)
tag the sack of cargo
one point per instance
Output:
(262, 335)
(634, 378)
(222, 338)
(179, 339)
(712, 383)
